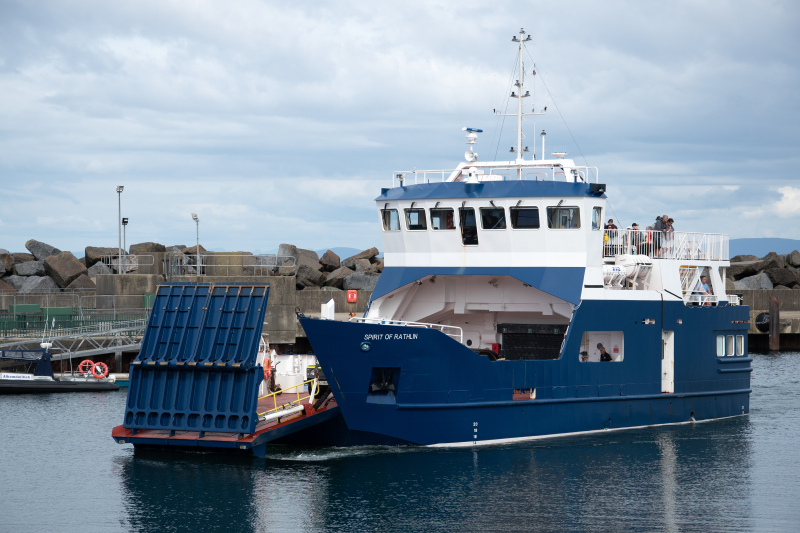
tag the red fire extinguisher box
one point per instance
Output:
(352, 297)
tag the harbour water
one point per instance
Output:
(62, 472)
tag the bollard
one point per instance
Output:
(774, 324)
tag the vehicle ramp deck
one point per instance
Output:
(195, 381)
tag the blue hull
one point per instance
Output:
(446, 394)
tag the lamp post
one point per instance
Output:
(120, 188)
(125, 245)
(197, 223)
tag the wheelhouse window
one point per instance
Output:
(597, 219)
(562, 217)
(442, 219)
(391, 221)
(739, 344)
(525, 217)
(415, 219)
(729, 345)
(720, 345)
(469, 226)
(493, 218)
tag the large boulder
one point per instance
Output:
(308, 258)
(363, 264)
(759, 281)
(744, 258)
(193, 250)
(329, 261)
(6, 261)
(31, 268)
(5, 288)
(93, 254)
(336, 278)
(20, 257)
(377, 266)
(773, 260)
(742, 270)
(82, 282)
(38, 283)
(361, 281)
(781, 276)
(350, 262)
(780, 287)
(2, 269)
(40, 250)
(146, 247)
(64, 268)
(97, 269)
(793, 259)
(287, 250)
(308, 276)
(16, 282)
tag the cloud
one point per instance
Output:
(789, 204)
(281, 121)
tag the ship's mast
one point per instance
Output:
(520, 84)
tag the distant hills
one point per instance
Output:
(762, 246)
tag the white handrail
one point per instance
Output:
(666, 244)
(387, 322)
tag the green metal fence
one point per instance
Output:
(53, 322)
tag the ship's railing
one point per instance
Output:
(538, 173)
(293, 403)
(119, 264)
(419, 176)
(225, 265)
(454, 332)
(666, 244)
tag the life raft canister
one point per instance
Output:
(99, 370)
(86, 366)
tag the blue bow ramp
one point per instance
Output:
(197, 369)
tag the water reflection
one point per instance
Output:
(662, 479)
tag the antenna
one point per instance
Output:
(472, 138)
(519, 95)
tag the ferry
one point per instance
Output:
(507, 312)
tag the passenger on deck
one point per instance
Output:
(605, 357)
(704, 291)
(611, 224)
(637, 242)
(658, 233)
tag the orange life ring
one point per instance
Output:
(86, 366)
(99, 370)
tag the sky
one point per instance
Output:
(279, 122)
